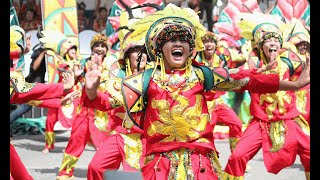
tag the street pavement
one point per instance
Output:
(45, 166)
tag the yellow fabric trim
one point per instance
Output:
(132, 149)
(227, 176)
(303, 124)
(233, 141)
(307, 175)
(49, 138)
(68, 162)
(277, 135)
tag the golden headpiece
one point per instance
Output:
(17, 38)
(259, 27)
(99, 38)
(298, 32)
(165, 24)
(209, 35)
(56, 41)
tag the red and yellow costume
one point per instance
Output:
(298, 35)
(90, 125)
(59, 45)
(179, 140)
(127, 144)
(277, 126)
(218, 110)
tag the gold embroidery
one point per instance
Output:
(307, 175)
(182, 123)
(301, 101)
(229, 84)
(68, 162)
(303, 124)
(148, 159)
(215, 163)
(34, 102)
(233, 141)
(277, 135)
(49, 138)
(132, 149)
(101, 120)
(18, 80)
(276, 100)
(227, 176)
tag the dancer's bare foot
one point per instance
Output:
(45, 151)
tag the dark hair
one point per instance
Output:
(102, 8)
(33, 11)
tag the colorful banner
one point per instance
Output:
(59, 15)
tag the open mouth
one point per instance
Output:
(177, 53)
(271, 50)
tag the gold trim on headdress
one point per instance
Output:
(258, 26)
(151, 26)
(298, 32)
(55, 40)
(17, 35)
(99, 38)
(209, 35)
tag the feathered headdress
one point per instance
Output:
(157, 27)
(298, 32)
(56, 41)
(210, 35)
(259, 27)
(99, 38)
(17, 39)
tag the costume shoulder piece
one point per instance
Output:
(134, 90)
(18, 83)
(223, 81)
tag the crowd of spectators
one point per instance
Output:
(92, 14)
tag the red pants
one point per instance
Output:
(109, 156)
(52, 119)
(255, 137)
(17, 169)
(82, 132)
(224, 114)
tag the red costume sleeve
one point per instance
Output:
(39, 92)
(259, 83)
(101, 102)
(54, 103)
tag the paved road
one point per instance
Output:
(45, 166)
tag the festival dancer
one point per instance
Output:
(277, 126)
(127, 145)
(90, 126)
(62, 50)
(218, 110)
(300, 38)
(37, 94)
(177, 125)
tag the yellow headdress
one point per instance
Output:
(210, 35)
(99, 38)
(17, 38)
(126, 41)
(157, 27)
(298, 32)
(259, 27)
(56, 41)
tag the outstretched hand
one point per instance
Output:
(69, 98)
(268, 67)
(78, 69)
(68, 80)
